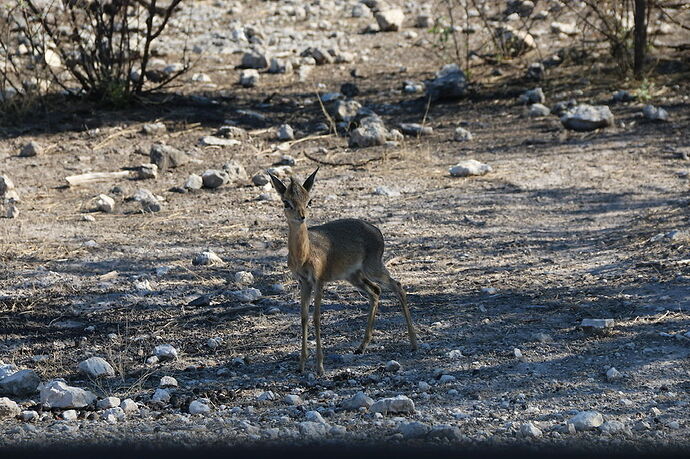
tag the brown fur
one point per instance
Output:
(347, 249)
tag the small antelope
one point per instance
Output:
(347, 249)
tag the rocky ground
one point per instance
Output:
(549, 278)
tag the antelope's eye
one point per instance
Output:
(309, 203)
(287, 204)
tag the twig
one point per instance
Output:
(114, 135)
(332, 163)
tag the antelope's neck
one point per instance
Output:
(298, 245)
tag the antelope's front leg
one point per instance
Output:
(317, 328)
(305, 290)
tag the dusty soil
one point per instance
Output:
(563, 229)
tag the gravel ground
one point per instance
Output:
(500, 269)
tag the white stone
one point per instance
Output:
(244, 278)
(213, 141)
(359, 400)
(113, 415)
(585, 117)
(414, 429)
(194, 182)
(529, 430)
(167, 381)
(445, 379)
(423, 386)
(96, 367)
(385, 191)
(654, 113)
(28, 416)
(461, 134)
(165, 352)
(612, 427)
(539, 110)
(292, 399)
(70, 415)
(311, 429)
(598, 324)
(105, 203)
(393, 366)
(285, 132)
(108, 402)
(22, 382)
(315, 416)
(612, 374)
(199, 407)
(9, 408)
(390, 20)
(129, 406)
(249, 78)
(57, 394)
(32, 148)
(206, 258)
(7, 370)
(468, 168)
(393, 405)
(161, 395)
(247, 295)
(586, 420)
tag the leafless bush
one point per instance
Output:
(103, 47)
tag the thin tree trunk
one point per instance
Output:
(640, 36)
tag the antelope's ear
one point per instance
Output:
(277, 184)
(309, 182)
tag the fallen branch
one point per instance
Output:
(93, 177)
(332, 163)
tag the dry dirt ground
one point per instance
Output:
(563, 229)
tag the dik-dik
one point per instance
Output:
(347, 249)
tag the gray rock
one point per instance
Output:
(129, 406)
(105, 203)
(533, 96)
(597, 324)
(96, 367)
(560, 108)
(280, 66)
(285, 132)
(393, 366)
(320, 55)
(70, 415)
(206, 258)
(194, 182)
(6, 184)
(371, 132)
(424, 21)
(292, 399)
(214, 178)
(29, 416)
(462, 135)
(108, 402)
(445, 379)
(113, 415)
(446, 432)
(415, 129)
(315, 416)
(586, 420)
(255, 60)
(167, 381)
(244, 278)
(400, 404)
(147, 171)
(654, 113)
(423, 386)
(213, 141)
(154, 129)
(468, 168)
(161, 395)
(235, 171)
(12, 211)
(529, 430)
(612, 427)
(613, 375)
(414, 429)
(32, 148)
(148, 201)
(535, 71)
(231, 132)
(9, 408)
(247, 295)
(587, 117)
(165, 352)
(386, 191)
(450, 83)
(538, 110)
(7, 370)
(199, 406)
(344, 110)
(311, 429)
(57, 394)
(390, 20)
(249, 78)
(359, 400)
(166, 157)
(20, 383)
(260, 179)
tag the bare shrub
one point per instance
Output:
(98, 48)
